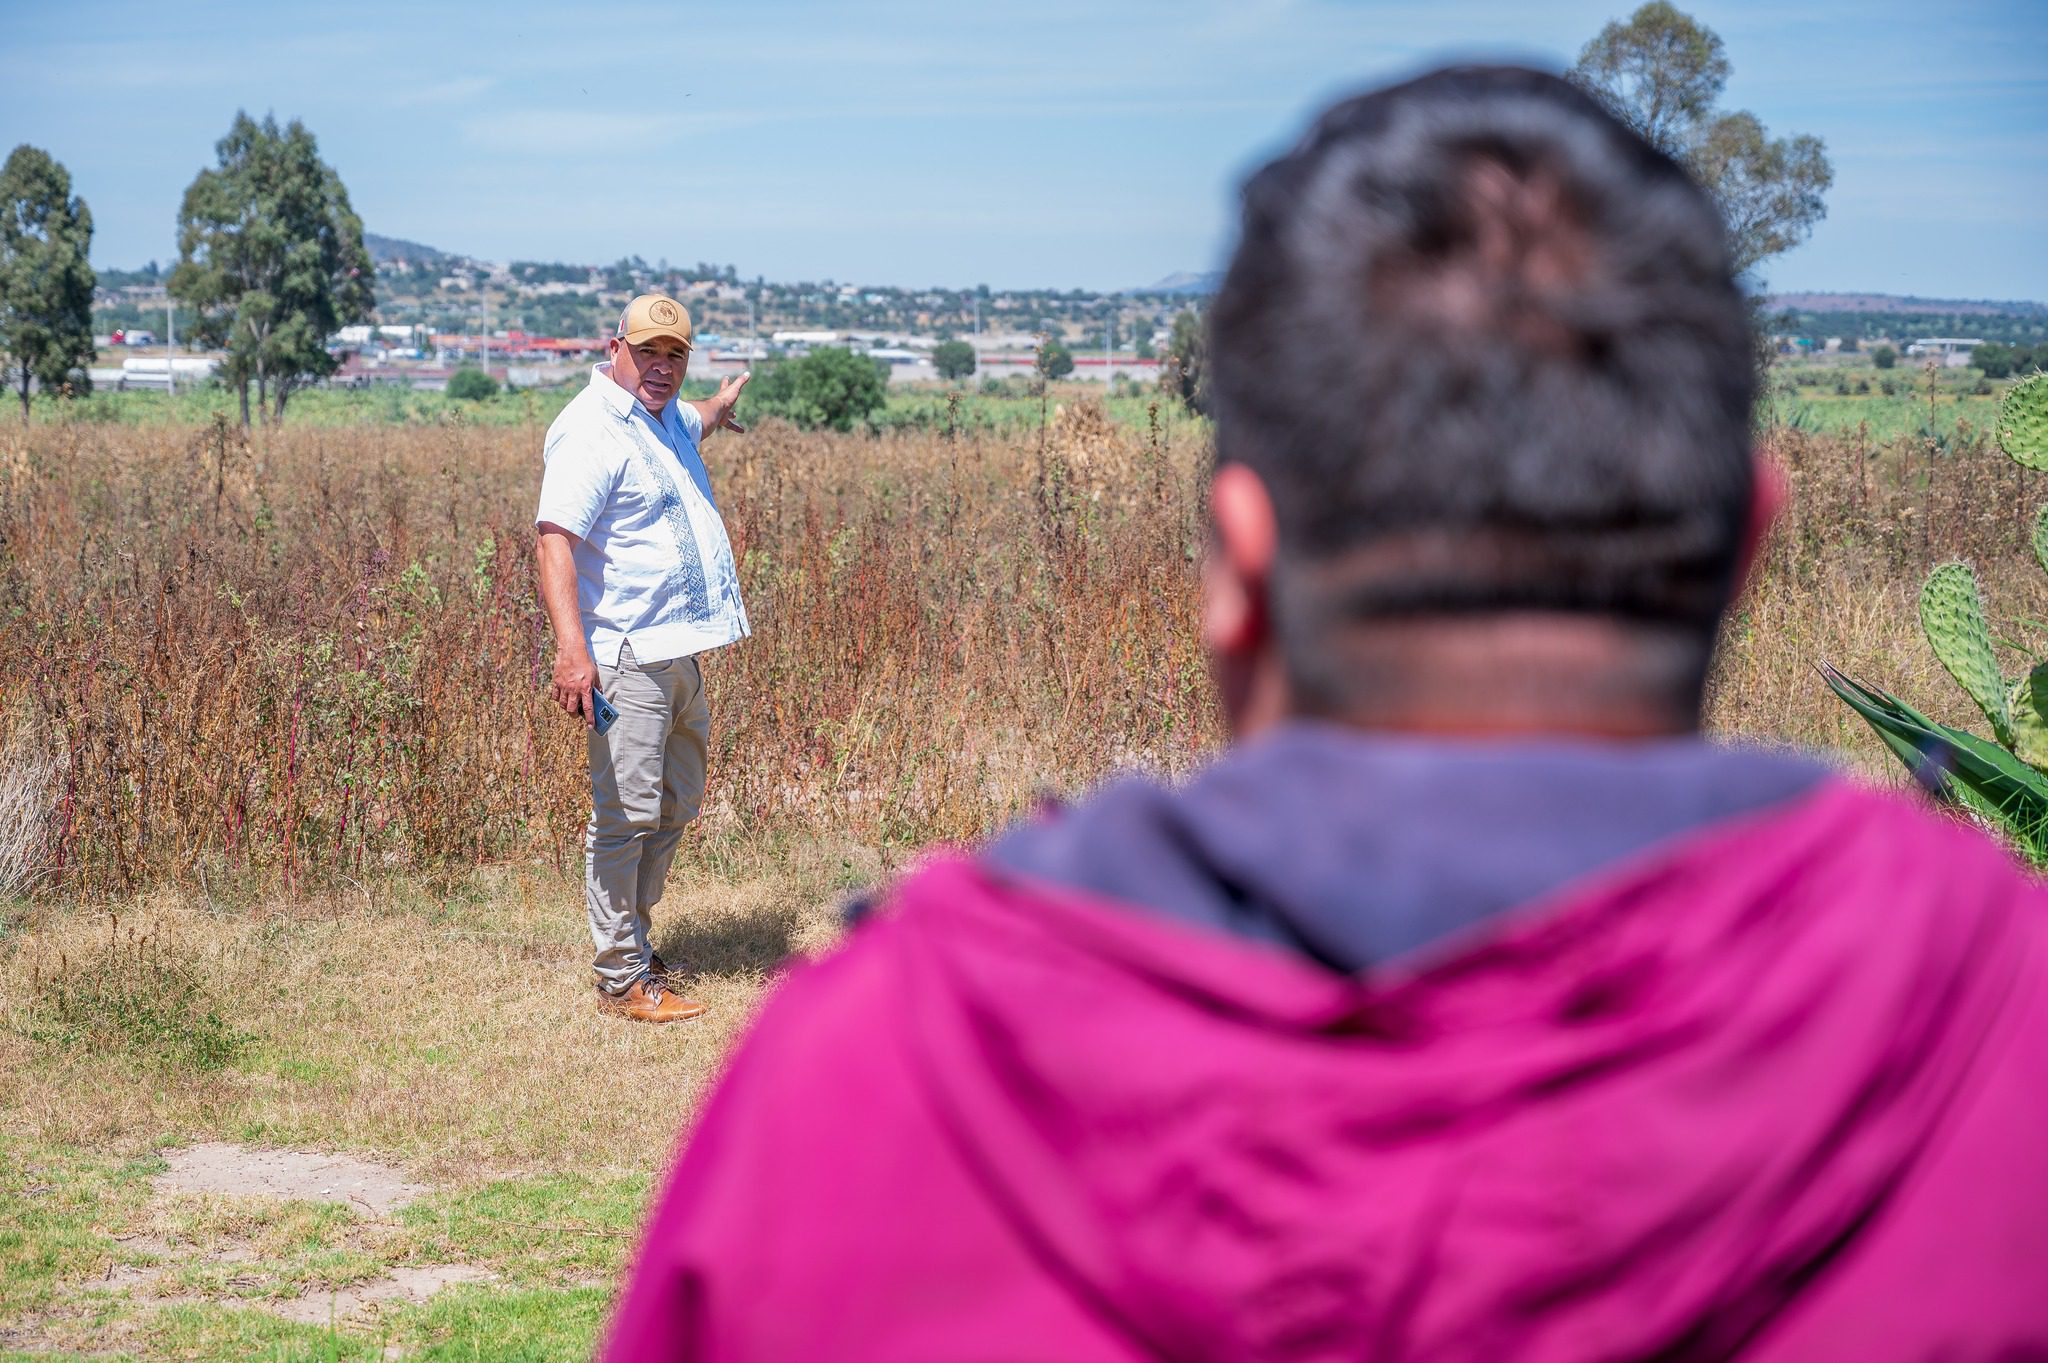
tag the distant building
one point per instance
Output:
(1952, 351)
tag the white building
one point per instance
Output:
(1952, 351)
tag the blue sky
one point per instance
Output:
(1092, 145)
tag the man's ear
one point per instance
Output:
(1768, 497)
(1235, 579)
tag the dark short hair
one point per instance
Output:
(1486, 349)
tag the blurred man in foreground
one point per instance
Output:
(1471, 1006)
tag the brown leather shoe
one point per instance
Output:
(655, 965)
(646, 1001)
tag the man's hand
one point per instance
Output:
(717, 409)
(575, 675)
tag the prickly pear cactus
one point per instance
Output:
(2028, 701)
(2023, 423)
(1952, 617)
(2008, 797)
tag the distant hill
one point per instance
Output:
(1185, 282)
(1903, 303)
(384, 249)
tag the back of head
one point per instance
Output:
(1485, 348)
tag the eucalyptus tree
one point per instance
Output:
(271, 260)
(46, 277)
(1662, 72)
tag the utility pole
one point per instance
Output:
(170, 343)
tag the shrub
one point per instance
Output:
(471, 384)
(1184, 374)
(136, 994)
(953, 359)
(1994, 359)
(1884, 357)
(826, 388)
(1055, 361)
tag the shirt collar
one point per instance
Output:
(615, 398)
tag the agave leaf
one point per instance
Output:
(1957, 765)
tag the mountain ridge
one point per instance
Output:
(1902, 303)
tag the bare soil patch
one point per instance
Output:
(237, 1171)
(411, 1283)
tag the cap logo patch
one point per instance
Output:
(665, 312)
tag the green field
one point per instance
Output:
(1882, 419)
(925, 407)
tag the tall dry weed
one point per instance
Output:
(29, 774)
(317, 653)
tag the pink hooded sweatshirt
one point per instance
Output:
(1776, 1089)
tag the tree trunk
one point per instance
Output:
(245, 404)
(24, 395)
(263, 396)
(284, 391)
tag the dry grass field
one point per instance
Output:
(288, 832)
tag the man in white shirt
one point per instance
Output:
(638, 579)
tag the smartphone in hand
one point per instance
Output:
(603, 712)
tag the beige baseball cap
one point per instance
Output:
(651, 315)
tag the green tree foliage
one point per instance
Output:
(1184, 373)
(471, 384)
(1884, 357)
(953, 359)
(1994, 359)
(1055, 361)
(271, 257)
(830, 388)
(46, 277)
(1662, 72)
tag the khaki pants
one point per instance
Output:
(646, 783)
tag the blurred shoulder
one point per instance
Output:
(1931, 867)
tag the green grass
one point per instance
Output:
(69, 1218)
(511, 1327)
(56, 1207)
(537, 1229)
(503, 1112)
